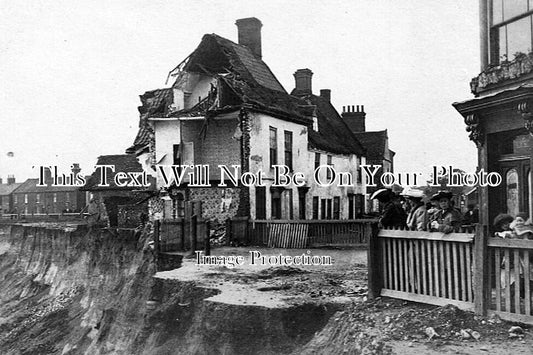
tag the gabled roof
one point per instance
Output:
(374, 142)
(122, 162)
(6, 189)
(30, 186)
(333, 134)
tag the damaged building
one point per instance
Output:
(226, 107)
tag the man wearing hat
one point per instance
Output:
(392, 214)
(448, 219)
(417, 218)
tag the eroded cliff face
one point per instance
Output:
(69, 290)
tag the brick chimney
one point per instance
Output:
(75, 169)
(1, 181)
(326, 94)
(303, 82)
(10, 179)
(249, 32)
(354, 117)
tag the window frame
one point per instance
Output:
(273, 144)
(494, 36)
(288, 142)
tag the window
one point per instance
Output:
(317, 160)
(511, 29)
(176, 154)
(260, 202)
(336, 207)
(513, 205)
(323, 209)
(288, 149)
(315, 207)
(37, 198)
(276, 204)
(351, 207)
(329, 208)
(358, 171)
(183, 154)
(301, 203)
(328, 172)
(25, 198)
(273, 146)
(178, 206)
(55, 196)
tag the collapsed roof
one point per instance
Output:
(251, 84)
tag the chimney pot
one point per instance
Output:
(249, 34)
(326, 94)
(355, 118)
(10, 179)
(303, 81)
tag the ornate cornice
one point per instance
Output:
(521, 65)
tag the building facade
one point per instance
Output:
(499, 118)
(226, 108)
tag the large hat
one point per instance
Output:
(381, 194)
(442, 194)
(502, 218)
(412, 193)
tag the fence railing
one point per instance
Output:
(427, 267)
(300, 233)
(511, 278)
(41, 216)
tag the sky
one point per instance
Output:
(71, 73)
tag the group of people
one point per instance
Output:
(408, 210)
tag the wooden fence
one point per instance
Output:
(469, 270)
(433, 268)
(511, 273)
(182, 234)
(300, 233)
(38, 217)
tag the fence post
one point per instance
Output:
(481, 270)
(374, 261)
(207, 245)
(192, 230)
(228, 232)
(156, 237)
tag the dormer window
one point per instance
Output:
(510, 29)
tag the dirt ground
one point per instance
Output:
(380, 326)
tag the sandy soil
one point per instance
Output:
(377, 327)
(279, 286)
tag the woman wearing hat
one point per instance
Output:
(392, 214)
(417, 217)
(448, 219)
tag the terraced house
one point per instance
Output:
(226, 107)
